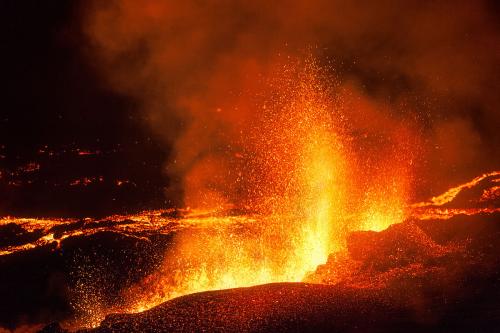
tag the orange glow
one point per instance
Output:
(298, 170)
(449, 195)
(301, 169)
(439, 207)
(276, 206)
(219, 250)
(300, 181)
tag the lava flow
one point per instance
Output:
(303, 185)
(215, 249)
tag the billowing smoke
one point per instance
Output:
(200, 70)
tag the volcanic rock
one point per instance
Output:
(399, 245)
(13, 234)
(396, 280)
(431, 276)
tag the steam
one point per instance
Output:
(425, 76)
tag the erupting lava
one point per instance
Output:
(300, 166)
(310, 185)
(231, 248)
(225, 249)
(304, 182)
(296, 166)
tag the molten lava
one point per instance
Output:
(223, 249)
(307, 182)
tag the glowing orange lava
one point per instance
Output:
(308, 189)
(302, 169)
(221, 249)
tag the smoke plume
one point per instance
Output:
(418, 81)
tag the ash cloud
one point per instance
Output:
(196, 67)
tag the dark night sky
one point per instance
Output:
(52, 96)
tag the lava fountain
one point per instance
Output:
(298, 168)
